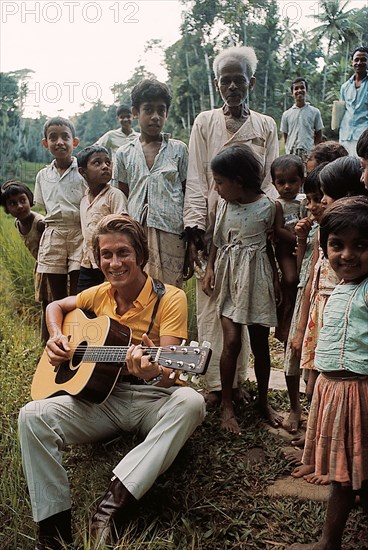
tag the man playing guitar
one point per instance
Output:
(144, 398)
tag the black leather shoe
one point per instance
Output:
(53, 530)
(113, 509)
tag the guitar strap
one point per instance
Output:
(159, 289)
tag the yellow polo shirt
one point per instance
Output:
(171, 318)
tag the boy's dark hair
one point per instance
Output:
(299, 79)
(362, 145)
(312, 183)
(327, 152)
(84, 154)
(150, 89)
(341, 178)
(58, 121)
(345, 213)
(359, 49)
(122, 223)
(11, 188)
(123, 109)
(238, 163)
(285, 163)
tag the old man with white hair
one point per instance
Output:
(212, 130)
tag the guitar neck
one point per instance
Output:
(112, 354)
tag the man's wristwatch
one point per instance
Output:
(157, 378)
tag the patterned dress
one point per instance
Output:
(243, 274)
(291, 361)
(324, 282)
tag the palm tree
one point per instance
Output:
(288, 33)
(333, 27)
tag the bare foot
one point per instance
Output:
(240, 395)
(213, 399)
(303, 470)
(271, 416)
(229, 422)
(292, 423)
(317, 480)
(299, 441)
(294, 457)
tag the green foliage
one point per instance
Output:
(9, 125)
(93, 124)
(186, 66)
(18, 263)
(322, 56)
(32, 134)
(122, 90)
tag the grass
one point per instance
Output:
(212, 498)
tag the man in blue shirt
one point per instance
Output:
(355, 94)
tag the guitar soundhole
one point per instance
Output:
(78, 355)
(69, 369)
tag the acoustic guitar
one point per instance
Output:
(99, 346)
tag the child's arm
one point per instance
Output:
(302, 230)
(317, 137)
(41, 226)
(120, 173)
(124, 187)
(38, 198)
(281, 233)
(208, 282)
(297, 342)
(275, 275)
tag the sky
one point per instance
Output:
(79, 48)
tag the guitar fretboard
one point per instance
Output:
(110, 354)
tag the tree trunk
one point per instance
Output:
(209, 78)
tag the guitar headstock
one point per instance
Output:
(192, 359)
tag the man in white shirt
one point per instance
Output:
(301, 125)
(212, 130)
(113, 139)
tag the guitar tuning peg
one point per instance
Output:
(172, 375)
(206, 344)
(194, 344)
(183, 377)
(195, 379)
(183, 342)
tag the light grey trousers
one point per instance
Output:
(165, 416)
(210, 329)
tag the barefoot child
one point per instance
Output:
(322, 154)
(305, 230)
(287, 174)
(339, 178)
(101, 199)
(242, 274)
(151, 170)
(17, 200)
(337, 431)
(59, 189)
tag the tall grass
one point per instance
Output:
(17, 265)
(212, 498)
